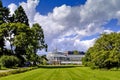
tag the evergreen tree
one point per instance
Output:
(1, 16)
(4, 13)
(20, 16)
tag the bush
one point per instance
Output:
(9, 61)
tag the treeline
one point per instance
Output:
(24, 40)
(105, 53)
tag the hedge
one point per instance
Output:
(15, 71)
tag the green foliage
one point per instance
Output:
(1, 4)
(37, 37)
(26, 40)
(15, 29)
(19, 31)
(36, 43)
(105, 53)
(76, 52)
(20, 16)
(4, 13)
(43, 60)
(9, 61)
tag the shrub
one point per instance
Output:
(9, 61)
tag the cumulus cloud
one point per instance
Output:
(72, 44)
(73, 22)
(65, 21)
(12, 8)
(30, 9)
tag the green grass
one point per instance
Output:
(67, 73)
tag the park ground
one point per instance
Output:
(65, 73)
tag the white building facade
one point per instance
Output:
(64, 58)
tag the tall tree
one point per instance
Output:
(106, 52)
(18, 36)
(38, 38)
(15, 29)
(36, 42)
(4, 13)
(20, 16)
(2, 43)
(1, 13)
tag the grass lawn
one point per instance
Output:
(72, 73)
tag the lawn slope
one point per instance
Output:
(73, 73)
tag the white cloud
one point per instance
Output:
(65, 21)
(108, 31)
(12, 8)
(72, 44)
(118, 31)
(30, 9)
(84, 45)
(81, 21)
(7, 44)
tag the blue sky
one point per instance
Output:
(71, 24)
(113, 25)
(46, 6)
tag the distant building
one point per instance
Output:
(65, 57)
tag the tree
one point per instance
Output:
(24, 41)
(13, 31)
(21, 40)
(4, 13)
(38, 42)
(1, 13)
(105, 53)
(76, 52)
(18, 36)
(2, 43)
(8, 30)
(20, 16)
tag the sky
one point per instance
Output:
(71, 24)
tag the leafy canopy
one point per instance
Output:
(24, 41)
(105, 53)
